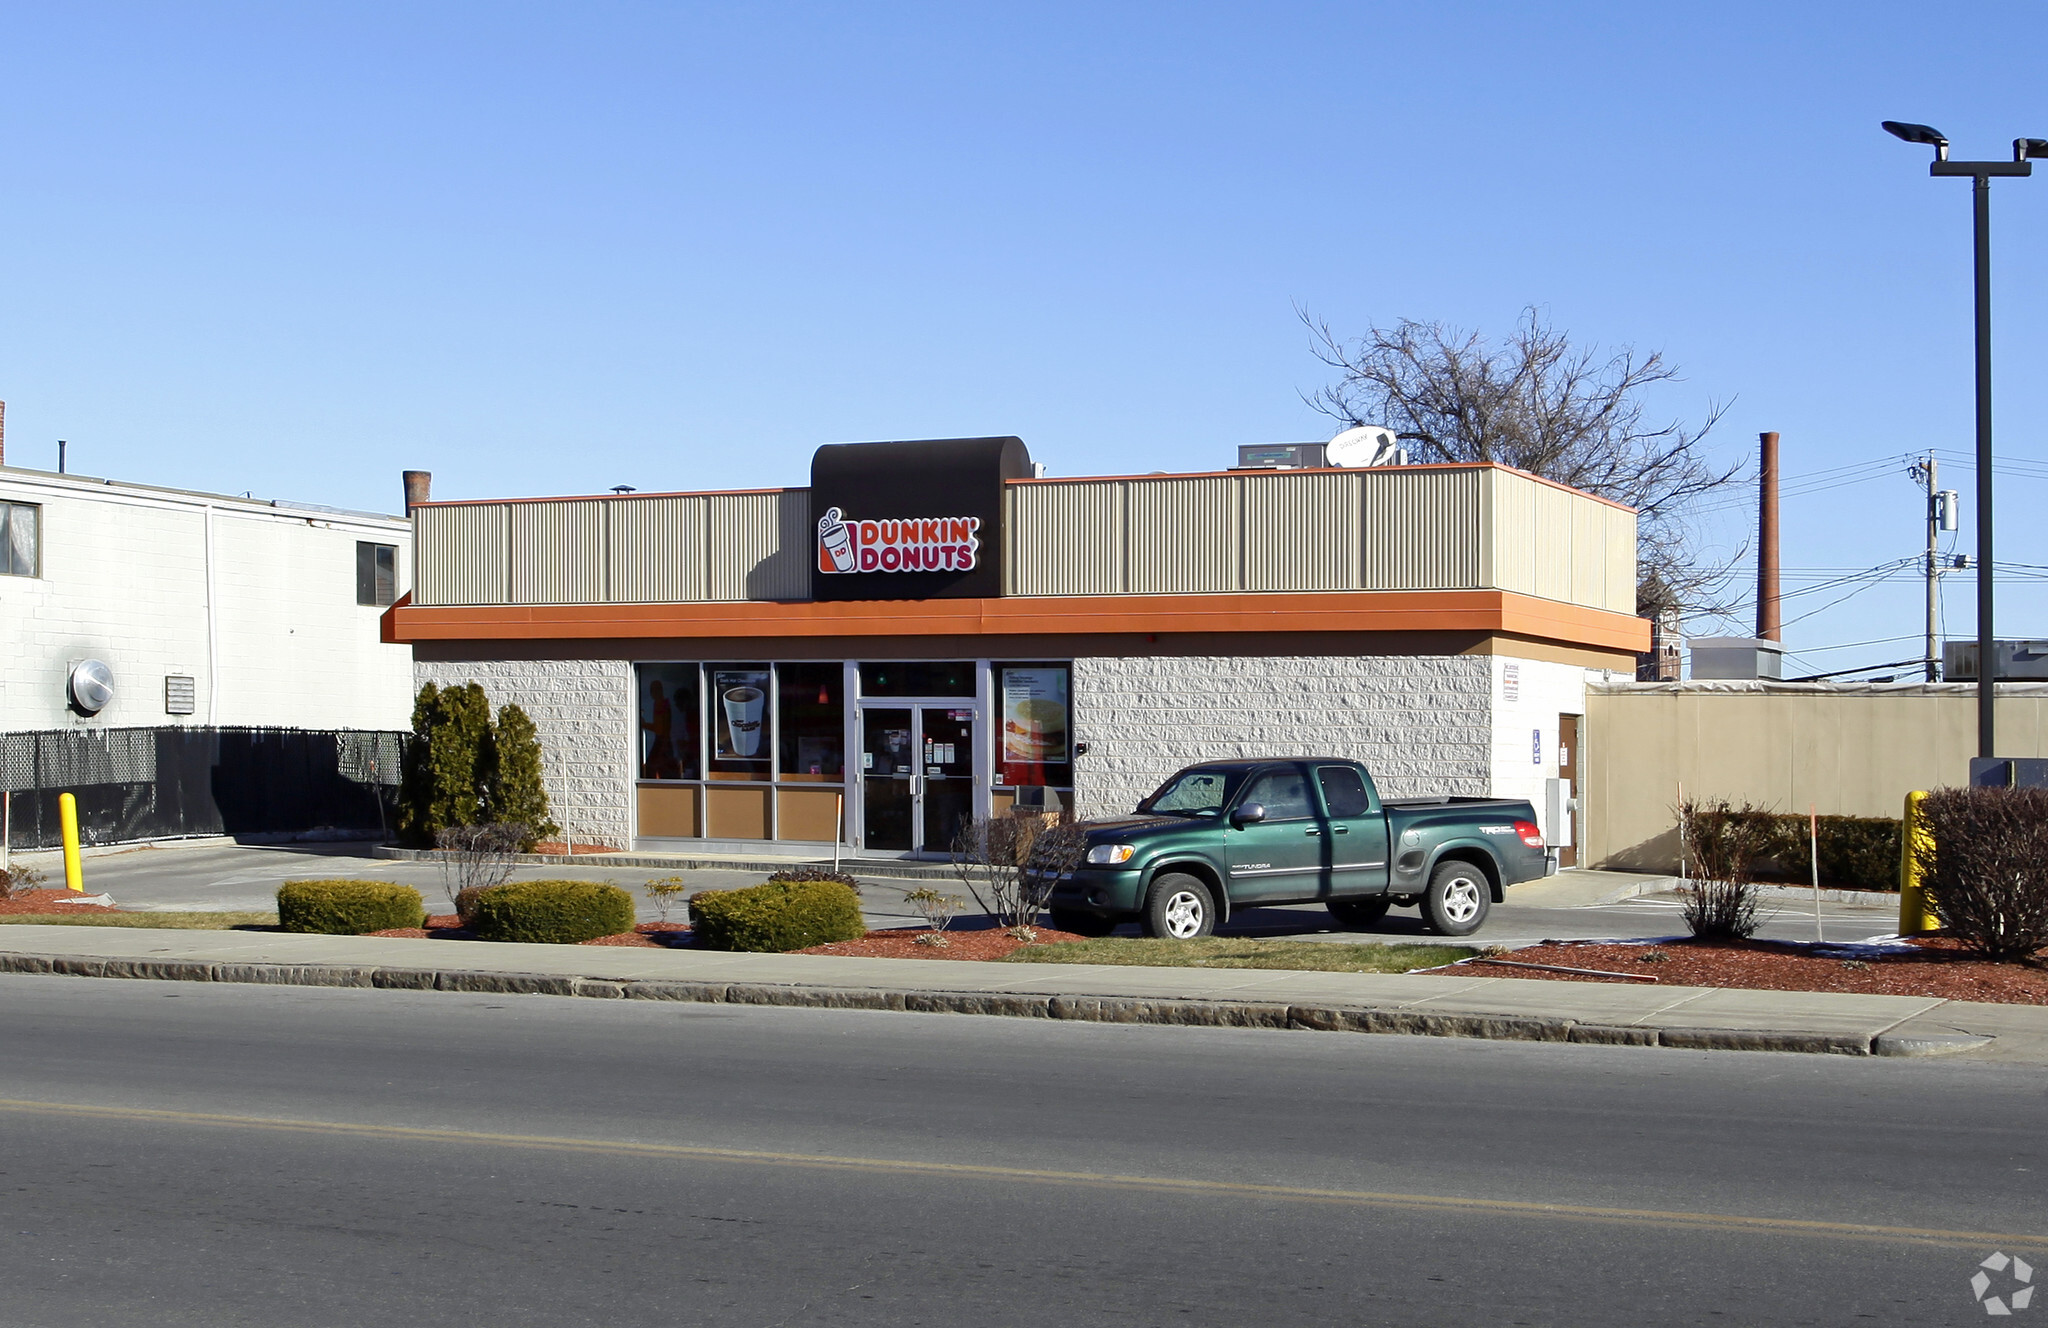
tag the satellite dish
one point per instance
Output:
(1366, 445)
(92, 685)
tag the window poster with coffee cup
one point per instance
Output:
(739, 705)
(1034, 723)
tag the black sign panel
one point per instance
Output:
(917, 520)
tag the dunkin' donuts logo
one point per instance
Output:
(912, 544)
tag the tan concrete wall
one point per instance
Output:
(1847, 750)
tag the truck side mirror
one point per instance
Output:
(1249, 814)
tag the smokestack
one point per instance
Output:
(1767, 540)
(418, 485)
(3, 433)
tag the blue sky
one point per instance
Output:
(546, 249)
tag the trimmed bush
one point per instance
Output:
(348, 908)
(514, 794)
(776, 916)
(465, 902)
(551, 912)
(1987, 871)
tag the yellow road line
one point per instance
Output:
(1731, 1222)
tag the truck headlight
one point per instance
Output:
(1106, 855)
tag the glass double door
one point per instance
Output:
(917, 776)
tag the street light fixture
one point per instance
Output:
(1980, 173)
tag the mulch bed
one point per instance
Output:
(901, 943)
(1932, 966)
(647, 935)
(48, 901)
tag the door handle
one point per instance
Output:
(1315, 832)
(1340, 830)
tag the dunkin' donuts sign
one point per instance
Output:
(911, 544)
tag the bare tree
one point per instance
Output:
(1011, 864)
(1537, 403)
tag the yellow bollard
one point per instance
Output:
(67, 817)
(1914, 914)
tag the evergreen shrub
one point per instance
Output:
(1987, 871)
(776, 916)
(551, 912)
(347, 908)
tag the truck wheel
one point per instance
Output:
(1179, 907)
(1082, 924)
(1359, 914)
(1457, 900)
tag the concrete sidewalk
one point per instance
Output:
(1446, 1005)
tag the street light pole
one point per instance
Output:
(1980, 173)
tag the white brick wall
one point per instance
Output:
(583, 709)
(1422, 724)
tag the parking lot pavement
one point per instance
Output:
(240, 877)
(234, 878)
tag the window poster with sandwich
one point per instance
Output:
(1036, 744)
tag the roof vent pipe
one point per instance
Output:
(418, 487)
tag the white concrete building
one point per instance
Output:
(205, 609)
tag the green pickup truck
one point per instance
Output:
(1229, 835)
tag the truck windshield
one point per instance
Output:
(1194, 793)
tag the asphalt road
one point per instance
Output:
(177, 1154)
(245, 878)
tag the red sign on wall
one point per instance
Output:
(912, 544)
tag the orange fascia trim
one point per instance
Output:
(387, 621)
(1341, 611)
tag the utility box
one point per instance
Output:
(2018, 661)
(1736, 658)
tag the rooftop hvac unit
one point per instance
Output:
(1735, 658)
(1281, 456)
(2020, 661)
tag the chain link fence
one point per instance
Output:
(165, 783)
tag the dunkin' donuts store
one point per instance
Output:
(931, 631)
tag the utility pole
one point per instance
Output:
(1941, 515)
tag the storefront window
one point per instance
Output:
(811, 704)
(917, 678)
(668, 720)
(741, 721)
(1035, 738)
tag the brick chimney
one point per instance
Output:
(418, 488)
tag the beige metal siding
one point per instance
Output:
(1561, 545)
(462, 554)
(760, 546)
(1064, 539)
(1183, 536)
(560, 552)
(656, 550)
(1422, 530)
(1301, 532)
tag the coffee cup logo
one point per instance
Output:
(743, 719)
(835, 545)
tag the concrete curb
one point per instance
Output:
(905, 871)
(1772, 890)
(1087, 1009)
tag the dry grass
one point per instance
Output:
(166, 921)
(1228, 952)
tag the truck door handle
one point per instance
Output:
(1315, 832)
(1340, 830)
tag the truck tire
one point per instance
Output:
(1179, 907)
(1082, 924)
(1359, 914)
(1457, 900)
